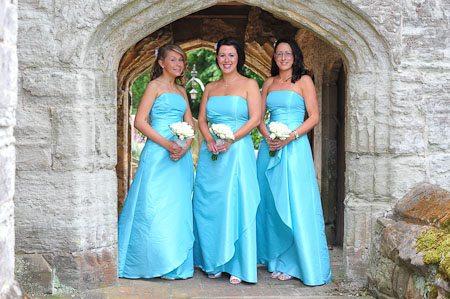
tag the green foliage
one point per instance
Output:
(137, 90)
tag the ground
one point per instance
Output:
(202, 287)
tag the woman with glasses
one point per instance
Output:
(290, 226)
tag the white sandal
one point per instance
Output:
(284, 277)
(275, 274)
(167, 278)
(216, 275)
(235, 280)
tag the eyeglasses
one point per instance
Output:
(286, 54)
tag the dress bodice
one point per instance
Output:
(287, 107)
(229, 110)
(167, 109)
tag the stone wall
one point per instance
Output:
(397, 59)
(8, 100)
(397, 268)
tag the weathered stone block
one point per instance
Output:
(31, 157)
(88, 200)
(34, 125)
(440, 169)
(87, 269)
(425, 204)
(438, 125)
(34, 273)
(406, 171)
(6, 244)
(407, 140)
(73, 139)
(105, 143)
(382, 178)
(7, 164)
(360, 175)
(381, 136)
(63, 88)
(359, 228)
(401, 279)
(384, 276)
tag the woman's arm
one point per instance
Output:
(309, 94)
(306, 86)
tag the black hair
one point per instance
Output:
(161, 55)
(298, 66)
(231, 41)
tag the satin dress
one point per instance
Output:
(155, 225)
(226, 198)
(290, 226)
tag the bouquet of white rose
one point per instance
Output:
(278, 130)
(223, 133)
(182, 130)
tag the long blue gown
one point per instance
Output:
(226, 198)
(155, 225)
(290, 226)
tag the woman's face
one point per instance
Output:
(227, 58)
(172, 64)
(284, 57)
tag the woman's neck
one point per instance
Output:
(285, 75)
(170, 80)
(230, 76)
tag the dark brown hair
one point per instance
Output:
(298, 66)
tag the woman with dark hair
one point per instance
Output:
(290, 225)
(226, 193)
(155, 225)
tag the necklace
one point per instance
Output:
(231, 81)
(172, 87)
(284, 80)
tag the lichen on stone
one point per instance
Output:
(435, 243)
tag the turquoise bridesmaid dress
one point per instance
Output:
(290, 226)
(226, 198)
(155, 225)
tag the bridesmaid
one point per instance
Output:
(290, 225)
(226, 193)
(155, 225)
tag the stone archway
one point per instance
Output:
(253, 21)
(75, 121)
(362, 54)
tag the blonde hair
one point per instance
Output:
(161, 54)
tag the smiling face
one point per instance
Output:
(172, 64)
(227, 59)
(284, 57)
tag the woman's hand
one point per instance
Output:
(272, 143)
(179, 153)
(224, 147)
(277, 144)
(212, 147)
(174, 150)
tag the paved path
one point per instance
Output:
(202, 287)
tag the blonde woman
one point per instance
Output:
(155, 225)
